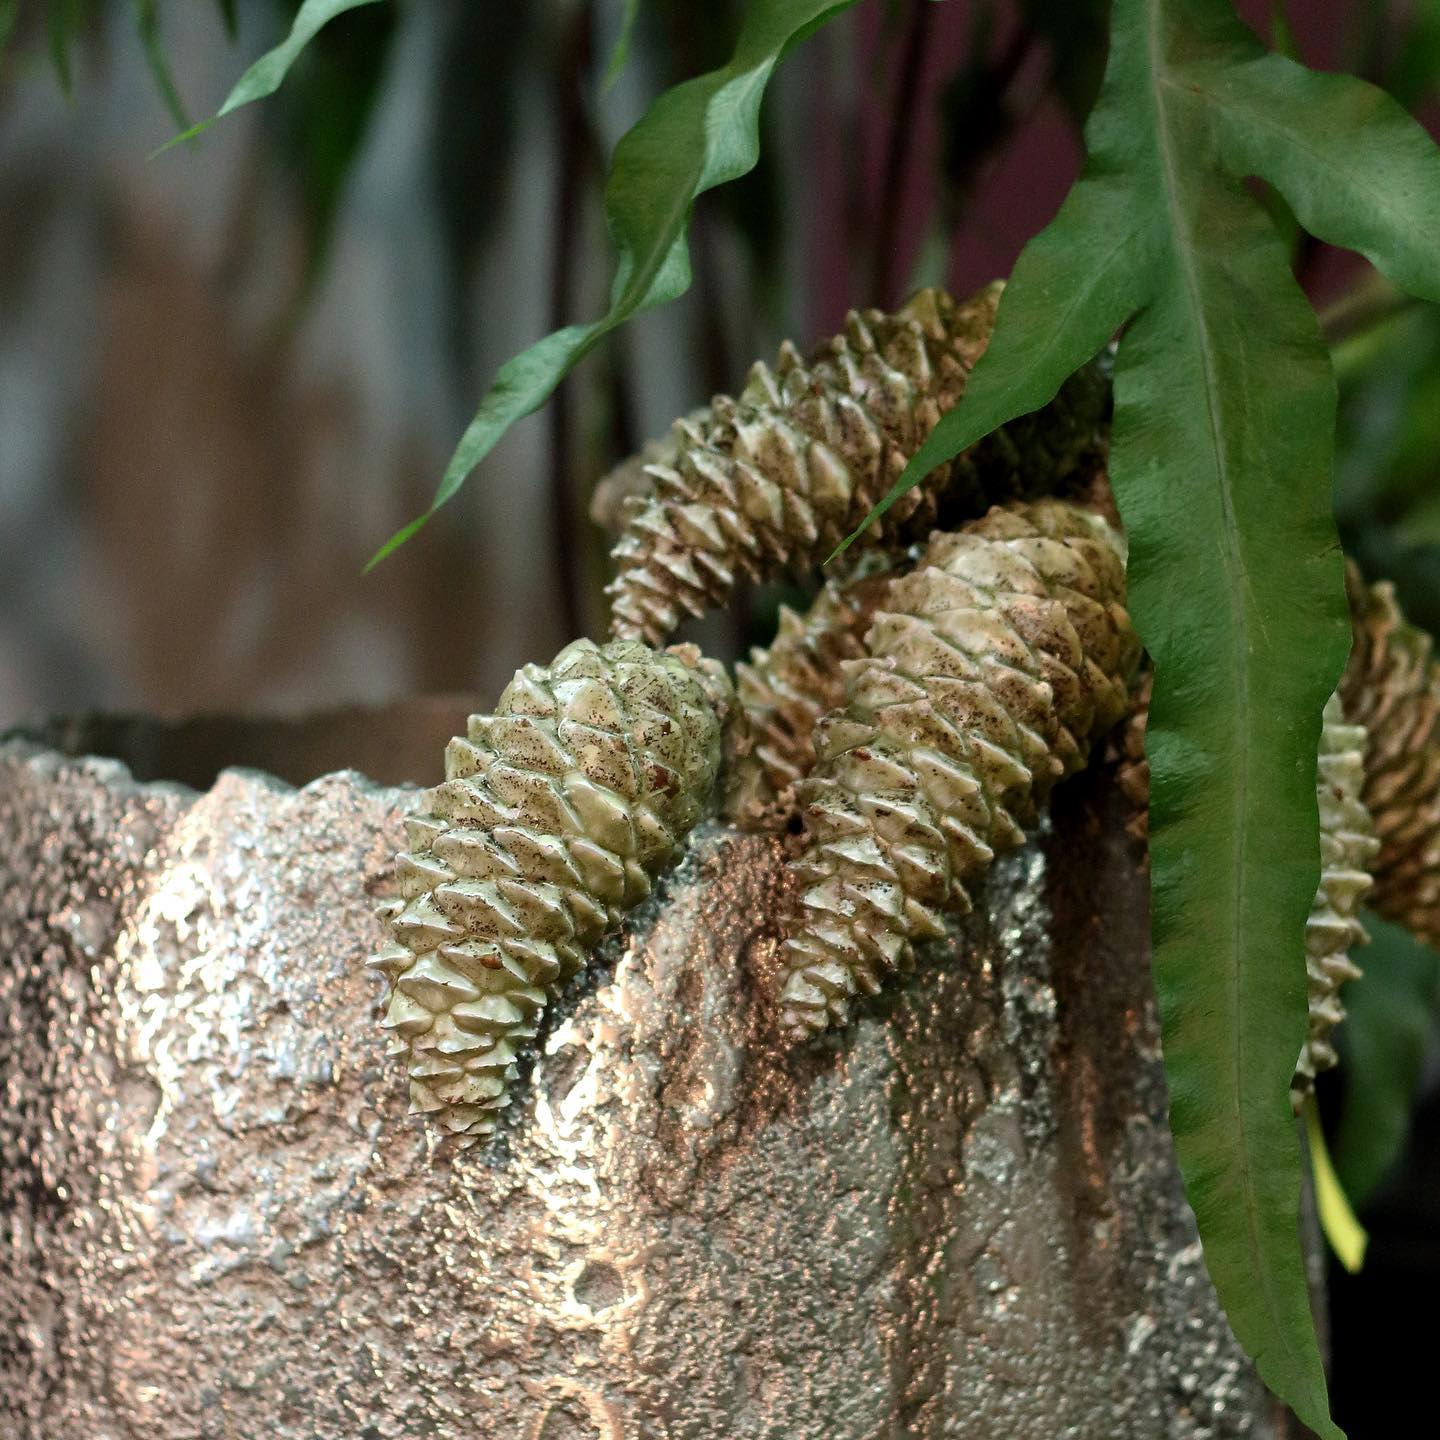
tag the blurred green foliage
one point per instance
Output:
(1388, 1027)
(1387, 470)
(322, 112)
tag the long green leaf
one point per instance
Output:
(265, 76)
(701, 134)
(1390, 1018)
(620, 52)
(1224, 418)
(1223, 480)
(147, 26)
(9, 11)
(62, 19)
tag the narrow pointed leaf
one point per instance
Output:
(1073, 286)
(621, 51)
(694, 137)
(147, 26)
(266, 75)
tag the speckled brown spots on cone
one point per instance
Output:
(1392, 687)
(555, 815)
(992, 667)
(775, 479)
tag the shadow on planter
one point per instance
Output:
(394, 744)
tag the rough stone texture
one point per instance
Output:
(960, 1218)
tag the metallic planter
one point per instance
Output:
(962, 1219)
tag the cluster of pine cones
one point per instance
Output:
(916, 716)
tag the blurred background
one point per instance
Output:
(230, 371)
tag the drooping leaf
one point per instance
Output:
(325, 109)
(620, 52)
(1221, 459)
(229, 16)
(147, 26)
(1354, 167)
(62, 19)
(1390, 1018)
(265, 76)
(9, 12)
(696, 136)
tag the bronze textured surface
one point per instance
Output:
(959, 1218)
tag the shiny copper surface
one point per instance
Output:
(960, 1218)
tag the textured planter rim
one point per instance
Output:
(981, 1113)
(395, 743)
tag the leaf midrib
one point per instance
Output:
(1184, 263)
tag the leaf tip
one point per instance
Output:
(182, 138)
(404, 533)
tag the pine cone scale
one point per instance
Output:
(1392, 687)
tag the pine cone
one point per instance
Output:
(784, 691)
(992, 667)
(1346, 849)
(1392, 687)
(1132, 773)
(556, 813)
(780, 476)
(619, 491)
